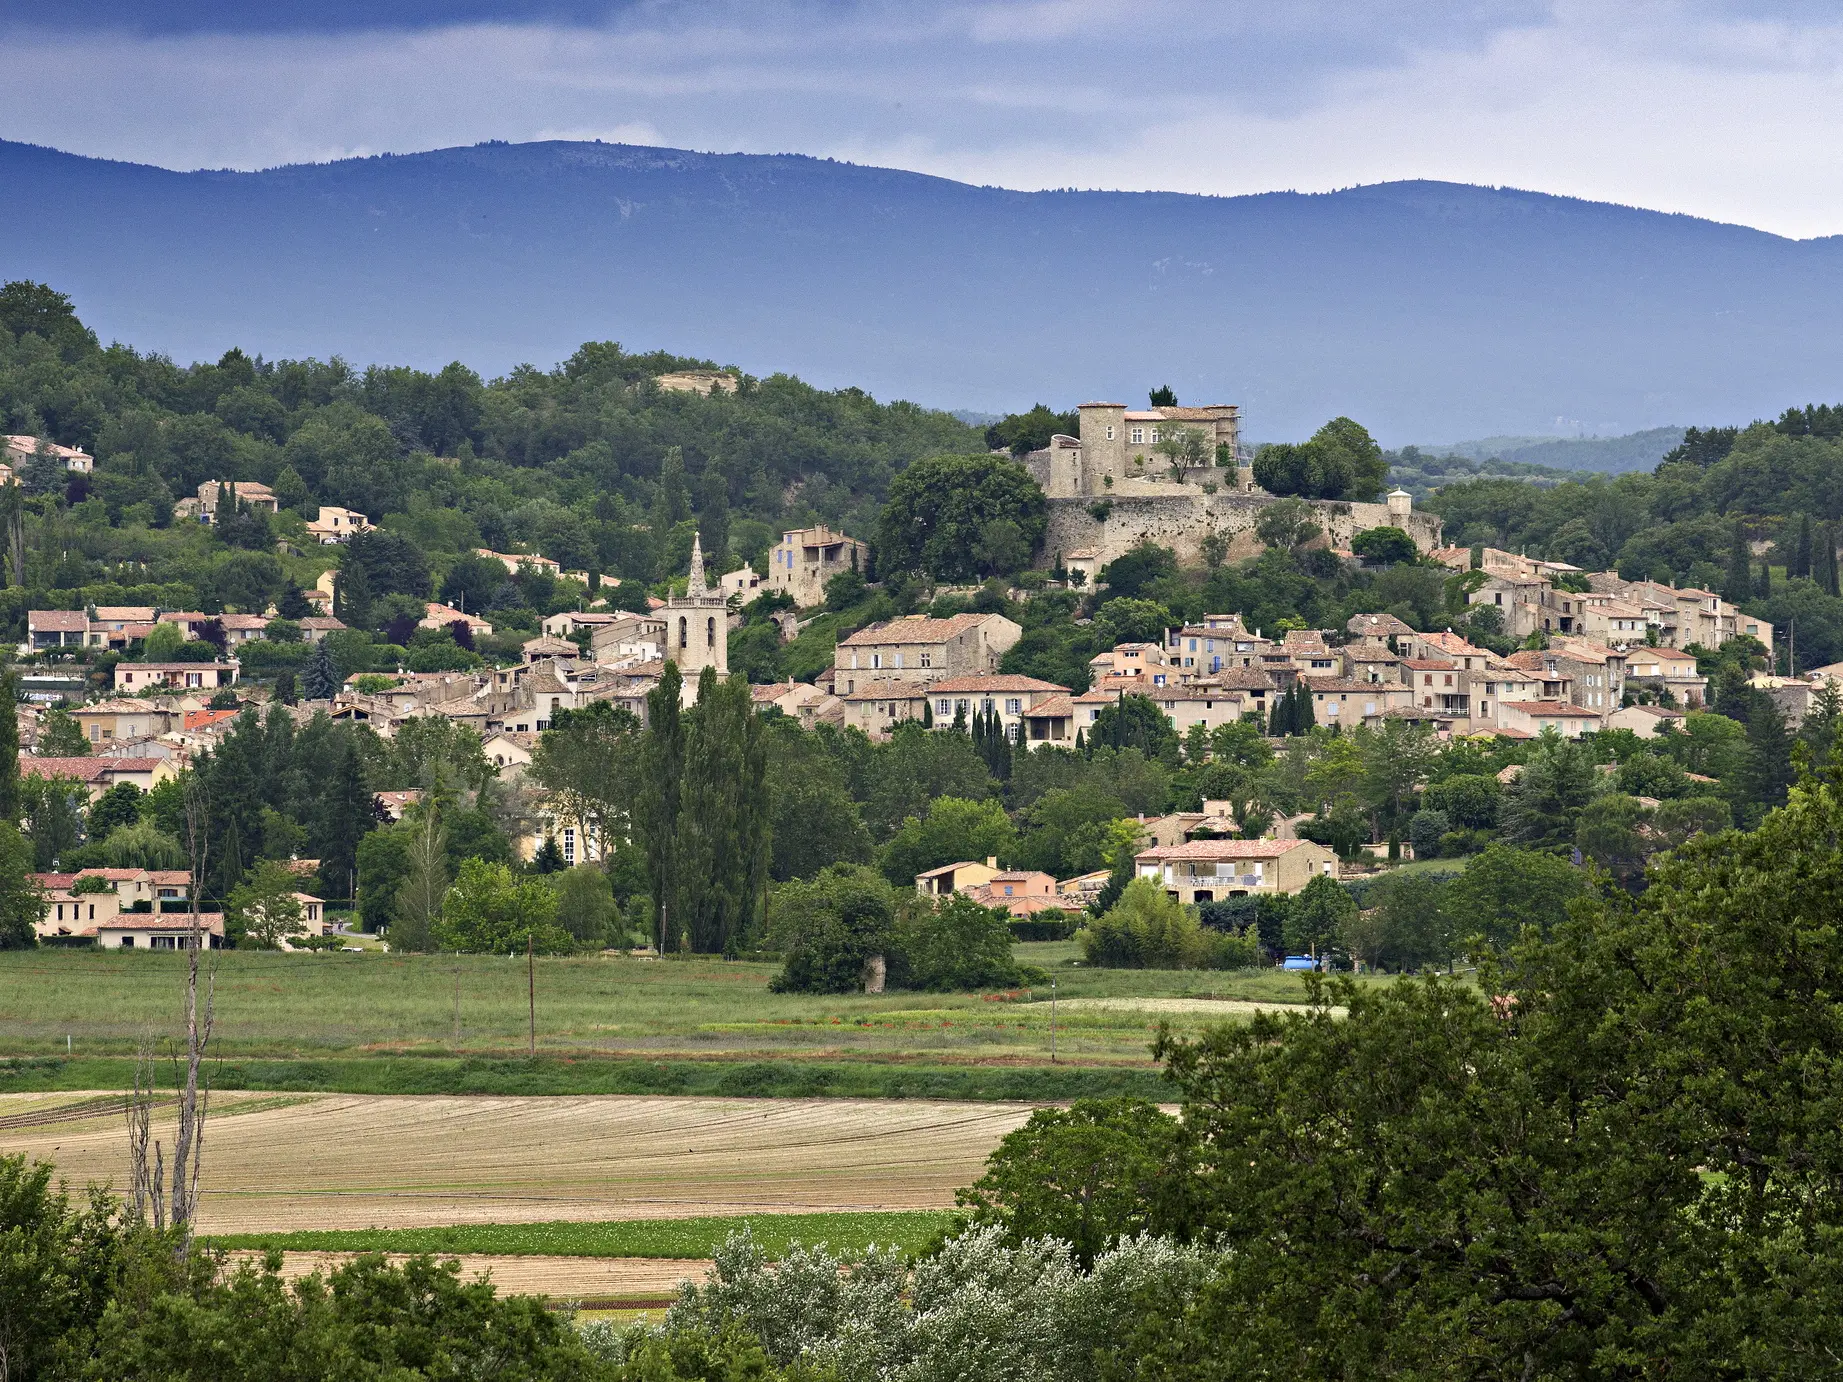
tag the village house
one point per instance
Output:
(113, 721)
(1020, 892)
(98, 773)
(1209, 870)
(439, 616)
(184, 676)
(1051, 721)
(1646, 721)
(626, 637)
(142, 931)
(1217, 643)
(1010, 697)
(1348, 702)
(335, 524)
(1661, 670)
(1532, 717)
(56, 628)
(19, 450)
(249, 494)
(741, 585)
(922, 650)
(962, 877)
(801, 563)
(509, 750)
(1145, 660)
(513, 560)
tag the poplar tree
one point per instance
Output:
(722, 837)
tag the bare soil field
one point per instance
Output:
(355, 1161)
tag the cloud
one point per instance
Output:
(1720, 107)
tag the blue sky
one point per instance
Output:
(1724, 108)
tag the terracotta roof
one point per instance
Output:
(1242, 679)
(1661, 712)
(322, 621)
(129, 614)
(914, 628)
(224, 666)
(163, 921)
(1322, 684)
(1223, 849)
(1051, 708)
(83, 769)
(1452, 644)
(1553, 708)
(977, 684)
(57, 620)
(243, 621)
(1377, 625)
(1429, 664)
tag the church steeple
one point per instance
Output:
(697, 586)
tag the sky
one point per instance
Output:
(1729, 109)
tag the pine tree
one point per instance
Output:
(293, 604)
(1801, 555)
(320, 680)
(9, 748)
(284, 686)
(352, 596)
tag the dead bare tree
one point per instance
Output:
(194, 1099)
(147, 1194)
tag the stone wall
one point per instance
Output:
(1181, 520)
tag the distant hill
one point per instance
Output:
(1638, 451)
(1420, 308)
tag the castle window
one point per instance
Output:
(1138, 434)
(710, 633)
(1110, 434)
(927, 659)
(683, 636)
(1154, 436)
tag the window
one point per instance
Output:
(943, 707)
(1154, 436)
(896, 661)
(986, 705)
(569, 845)
(927, 659)
(1013, 706)
(710, 632)
(1110, 434)
(876, 660)
(684, 639)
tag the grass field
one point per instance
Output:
(911, 1231)
(448, 1024)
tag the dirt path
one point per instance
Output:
(352, 1161)
(1225, 1007)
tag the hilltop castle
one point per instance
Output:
(1111, 489)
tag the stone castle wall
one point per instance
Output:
(1181, 521)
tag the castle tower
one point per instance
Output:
(697, 625)
(1401, 505)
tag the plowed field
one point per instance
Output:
(344, 1161)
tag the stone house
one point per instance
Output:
(804, 559)
(921, 650)
(1532, 717)
(1348, 702)
(1209, 870)
(1010, 697)
(21, 449)
(123, 721)
(1219, 641)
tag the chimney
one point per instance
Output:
(991, 861)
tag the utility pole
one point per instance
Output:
(531, 985)
(1052, 1021)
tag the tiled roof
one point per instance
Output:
(1336, 684)
(1051, 708)
(886, 689)
(57, 621)
(913, 628)
(1429, 664)
(992, 684)
(84, 769)
(1223, 849)
(1242, 679)
(1553, 708)
(163, 921)
(1377, 625)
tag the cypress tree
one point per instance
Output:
(662, 769)
(9, 747)
(1303, 718)
(1738, 588)
(346, 817)
(1827, 556)
(1801, 554)
(1763, 588)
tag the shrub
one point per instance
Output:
(955, 946)
(1425, 831)
(1146, 929)
(829, 927)
(1052, 924)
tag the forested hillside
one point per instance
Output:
(588, 463)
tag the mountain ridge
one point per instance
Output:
(1420, 307)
